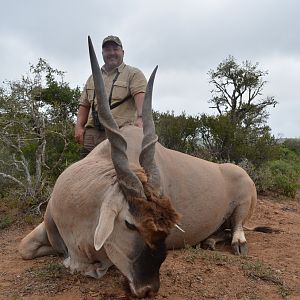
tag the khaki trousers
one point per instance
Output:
(92, 137)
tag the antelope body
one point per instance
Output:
(120, 204)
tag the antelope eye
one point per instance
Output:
(130, 226)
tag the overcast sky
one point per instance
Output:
(185, 38)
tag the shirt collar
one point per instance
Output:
(120, 68)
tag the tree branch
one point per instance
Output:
(13, 179)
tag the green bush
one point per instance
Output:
(262, 176)
(293, 144)
(279, 176)
(285, 177)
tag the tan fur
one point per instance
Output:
(205, 195)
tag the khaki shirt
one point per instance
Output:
(130, 81)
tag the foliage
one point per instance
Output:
(236, 92)
(293, 144)
(228, 142)
(280, 176)
(239, 130)
(208, 137)
(36, 117)
(179, 133)
(286, 172)
(262, 176)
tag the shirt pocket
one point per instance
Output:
(90, 94)
(120, 90)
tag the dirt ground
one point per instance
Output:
(271, 271)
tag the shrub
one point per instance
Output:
(262, 176)
(279, 176)
(285, 176)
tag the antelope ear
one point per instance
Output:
(111, 206)
(104, 228)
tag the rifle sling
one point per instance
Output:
(116, 104)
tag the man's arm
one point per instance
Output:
(139, 100)
(82, 118)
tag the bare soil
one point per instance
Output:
(271, 271)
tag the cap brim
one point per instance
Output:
(111, 42)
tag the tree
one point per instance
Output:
(36, 117)
(240, 129)
(237, 90)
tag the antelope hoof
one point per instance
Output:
(240, 248)
(209, 244)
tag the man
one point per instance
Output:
(125, 87)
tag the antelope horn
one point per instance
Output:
(146, 158)
(129, 182)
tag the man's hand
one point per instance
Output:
(139, 100)
(82, 118)
(79, 132)
(139, 122)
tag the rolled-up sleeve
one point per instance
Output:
(138, 82)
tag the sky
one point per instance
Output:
(185, 39)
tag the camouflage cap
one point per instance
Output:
(112, 38)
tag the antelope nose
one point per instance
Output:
(146, 291)
(143, 292)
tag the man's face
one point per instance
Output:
(112, 55)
